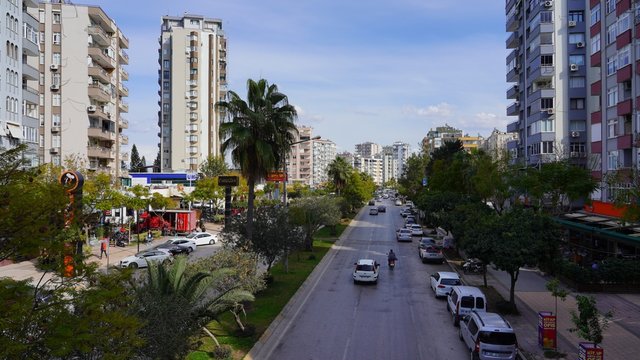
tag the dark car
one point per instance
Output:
(178, 249)
(372, 202)
(382, 208)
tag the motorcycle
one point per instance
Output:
(473, 266)
(392, 263)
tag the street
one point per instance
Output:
(399, 318)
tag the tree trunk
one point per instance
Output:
(251, 182)
(308, 242)
(286, 261)
(512, 291)
(211, 335)
(484, 273)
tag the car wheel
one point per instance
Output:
(133, 265)
(475, 355)
(188, 250)
(355, 281)
(456, 322)
(448, 307)
(211, 242)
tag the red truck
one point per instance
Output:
(169, 221)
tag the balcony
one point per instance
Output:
(30, 72)
(29, 47)
(124, 75)
(99, 73)
(124, 139)
(98, 55)
(123, 90)
(542, 73)
(123, 123)
(97, 92)
(513, 92)
(30, 94)
(124, 156)
(99, 36)
(513, 40)
(100, 152)
(123, 41)
(513, 75)
(99, 133)
(100, 18)
(513, 109)
(123, 106)
(123, 57)
(513, 127)
(512, 23)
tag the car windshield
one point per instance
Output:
(451, 282)
(363, 267)
(497, 338)
(192, 235)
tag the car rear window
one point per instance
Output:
(497, 338)
(466, 302)
(364, 268)
(452, 282)
(479, 303)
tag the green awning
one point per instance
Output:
(606, 233)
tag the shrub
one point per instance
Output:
(221, 352)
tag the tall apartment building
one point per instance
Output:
(615, 93)
(81, 86)
(401, 152)
(389, 164)
(496, 144)
(324, 152)
(368, 149)
(19, 111)
(192, 78)
(547, 65)
(369, 165)
(300, 160)
(435, 138)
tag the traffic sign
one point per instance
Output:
(228, 181)
(277, 176)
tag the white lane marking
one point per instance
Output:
(346, 349)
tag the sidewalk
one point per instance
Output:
(621, 338)
(26, 269)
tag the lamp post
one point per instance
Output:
(286, 177)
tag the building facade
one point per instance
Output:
(401, 152)
(81, 86)
(547, 67)
(371, 166)
(192, 78)
(435, 138)
(496, 144)
(300, 160)
(324, 152)
(368, 149)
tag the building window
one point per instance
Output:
(575, 38)
(55, 120)
(55, 141)
(166, 75)
(56, 38)
(41, 16)
(546, 103)
(166, 107)
(547, 147)
(612, 33)
(546, 16)
(624, 22)
(166, 64)
(55, 58)
(577, 16)
(546, 38)
(595, 14)
(612, 163)
(612, 128)
(56, 18)
(577, 82)
(624, 56)
(578, 147)
(595, 43)
(55, 100)
(55, 79)
(166, 86)
(610, 6)
(576, 104)
(577, 125)
(612, 96)
(546, 60)
(612, 65)
(576, 59)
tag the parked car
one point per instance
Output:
(462, 300)
(431, 254)
(143, 258)
(366, 270)
(427, 242)
(202, 238)
(404, 234)
(372, 202)
(178, 246)
(398, 203)
(488, 336)
(443, 281)
(410, 220)
(416, 230)
(373, 211)
(382, 208)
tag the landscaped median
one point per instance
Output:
(269, 302)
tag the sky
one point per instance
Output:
(356, 70)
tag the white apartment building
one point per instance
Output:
(324, 152)
(369, 165)
(192, 78)
(389, 165)
(19, 108)
(368, 149)
(81, 86)
(401, 152)
(300, 160)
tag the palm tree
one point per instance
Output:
(339, 171)
(259, 133)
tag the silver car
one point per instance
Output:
(143, 258)
(488, 336)
(404, 234)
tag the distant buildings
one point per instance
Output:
(496, 144)
(324, 152)
(435, 138)
(192, 78)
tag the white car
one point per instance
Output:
(416, 230)
(366, 270)
(186, 243)
(202, 238)
(143, 258)
(443, 281)
(404, 234)
(398, 203)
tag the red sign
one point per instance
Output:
(277, 176)
(547, 336)
(590, 351)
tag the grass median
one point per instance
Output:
(270, 301)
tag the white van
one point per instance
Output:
(464, 299)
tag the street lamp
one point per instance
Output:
(286, 177)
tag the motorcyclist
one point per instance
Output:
(391, 257)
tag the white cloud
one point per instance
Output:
(439, 110)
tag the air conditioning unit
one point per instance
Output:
(573, 67)
(572, 23)
(575, 134)
(580, 44)
(548, 3)
(55, 87)
(91, 108)
(54, 150)
(550, 111)
(53, 67)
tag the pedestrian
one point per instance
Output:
(149, 236)
(103, 248)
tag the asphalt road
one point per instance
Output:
(399, 318)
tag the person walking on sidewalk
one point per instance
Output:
(103, 248)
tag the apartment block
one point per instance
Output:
(401, 152)
(19, 111)
(496, 144)
(324, 152)
(192, 78)
(436, 138)
(369, 165)
(300, 161)
(368, 149)
(547, 66)
(389, 164)
(81, 85)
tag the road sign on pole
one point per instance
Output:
(228, 181)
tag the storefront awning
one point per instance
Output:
(14, 130)
(610, 233)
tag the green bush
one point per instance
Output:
(610, 271)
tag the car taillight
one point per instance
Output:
(477, 348)
(441, 286)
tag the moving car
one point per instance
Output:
(404, 234)
(185, 243)
(202, 238)
(431, 254)
(398, 203)
(366, 270)
(143, 258)
(372, 202)
(488, 336)
(416, 230)
(373, 211)
(382, 208)
(443, 281)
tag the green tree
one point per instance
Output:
(490, 180)
(157, 163)
(411, 181)
(214, 166)
(135, 162)
(258, 132)
(339, 172)
(313, 212)
(359, 188)
(589, 323)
